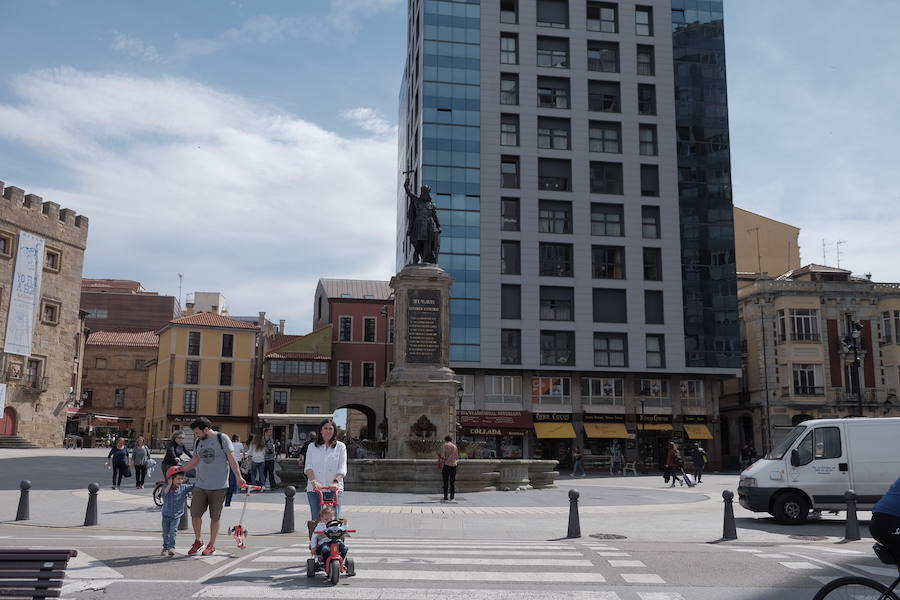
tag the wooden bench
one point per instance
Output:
(33, 573)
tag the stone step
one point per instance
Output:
(14, 441)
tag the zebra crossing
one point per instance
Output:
(405, 569)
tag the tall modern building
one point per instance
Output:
(578, 153)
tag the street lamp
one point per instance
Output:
(459, 397)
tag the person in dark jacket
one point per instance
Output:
(119, 454)
(698, 456)
(673, 464)
(174, 450)
(885, 523)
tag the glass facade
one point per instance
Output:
(451, 116)
(712, 337)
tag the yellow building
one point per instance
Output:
(764, 245)
(204, 368)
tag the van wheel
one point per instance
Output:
(790, 509)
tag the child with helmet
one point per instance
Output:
(174, 495)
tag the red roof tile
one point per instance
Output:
(207, 319)
(119, 338)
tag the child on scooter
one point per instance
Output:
(174, 495)
(319, 544)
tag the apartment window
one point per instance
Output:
(602, 16)
(192, 372)
(607, 219)
(368, 374)
(52, 260)
(555, 216)
(509, 214)
(556, 260)
(646, 99)
(650, 222)
(653, 307)
(369, 329)
(643, 20)
(557, 303)
(553, 133)
(552, 390)
(808, 380)
(603, 391)
(647, 140)
(120, 398)
(225, 371)
(553, 92)
(194, 343)
(510, 301)
(553, 13)
(139, 363)
(6, 244)
(227, 344)
(190, 401)
(509, 11)
(100, 363)
(646, 60)
(391, 331)
(603, 56)
(509, 49)
(509, 130)
(606, 178)
(343, 373)
(610, 306)
(50, 312)
(652, 388)
(804, 325)
(897, 325)
(656, 355)
(34, 370)
(604, 96)
(649, 180)
(509, 89)
(313, 410)
(510, 263)
(605, 136)
(886, 327)
(608, 262)
(653, 264)
(509, 171)
(503, 389)
(510, 347)
(552, 52)
(280, 401)
(88, 399)
(558, 348)
(554, 175)
(610, 350)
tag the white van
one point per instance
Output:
(817, 462)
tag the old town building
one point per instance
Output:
(124, 305)
(41, 258)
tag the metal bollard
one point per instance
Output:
(729, 529)
(287, 523)
(852, 530)
(90, 516)
(183, 521)
(574, 522)
(23, 513)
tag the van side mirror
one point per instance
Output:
(795, 458)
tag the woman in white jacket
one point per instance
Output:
(326, 465)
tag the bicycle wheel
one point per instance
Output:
(157, 495)
(854, 588)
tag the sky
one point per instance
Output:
(251, 146)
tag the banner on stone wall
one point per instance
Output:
(25, 296)
(2, 398)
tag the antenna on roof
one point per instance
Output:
(838, 247)
(180, 279)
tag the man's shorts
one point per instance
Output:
(212, 499)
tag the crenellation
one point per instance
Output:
(50, 209)
(17, 195)
(66, 215)
(81, 221)
(33, 201)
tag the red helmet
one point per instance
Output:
(173, 471)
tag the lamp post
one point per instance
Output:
(641, 440)
(459, 397)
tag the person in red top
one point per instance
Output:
(448, 458)
(673, 464)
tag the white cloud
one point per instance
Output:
(135, 48)
(370, 120)
(179, 177)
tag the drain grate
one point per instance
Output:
(808, 538)
(608, 536)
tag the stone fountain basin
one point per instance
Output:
(472, 475)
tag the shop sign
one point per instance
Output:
(595, 418)
(495, 422)
(552, 417)
(654, 419)
(695, 419)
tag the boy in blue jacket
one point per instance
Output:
(174, 496)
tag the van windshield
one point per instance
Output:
(778, 451)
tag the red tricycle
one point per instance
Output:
(334, 564)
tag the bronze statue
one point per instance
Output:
(422, 224)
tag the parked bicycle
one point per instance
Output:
(863, 588)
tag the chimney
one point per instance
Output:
(281, 326)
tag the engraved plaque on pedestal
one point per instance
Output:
(423, 318)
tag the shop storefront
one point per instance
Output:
(555, 434)
(605, 439)
(696, 430)
(653, 433)
(495, 433)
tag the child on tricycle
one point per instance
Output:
(327, 547)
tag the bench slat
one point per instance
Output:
(26, 552)
(35, 567)
(29, 593)
(42, 575)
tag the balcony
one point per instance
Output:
(35, 384)
(553, 184)
(805, 390)
(655, 402)
(313, 379)
(800, 338)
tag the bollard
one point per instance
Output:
(852, 531)
(574, 522)
(90, 516)
(729, 530)
(287, 523)
(23, 513)
(183, 521)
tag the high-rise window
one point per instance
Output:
(557, 303)
(607, 219)
(190, 401)
(656, 352)
(602, 16)
(606, 178)
(510, 264)
(643, 20)
(555, 174)
(604, 96)
(227, 345)
(555, 216)
(225, 370)
(608, 262)
(368, 374)
(603, 56)
(511, 346)
(653, 264)
(223, 406)
(558, 348)
(553, 13)
(509, 48)
(646, 99)
(509, 11)
(646, 60)
(553, 92)
(552, 52)
(605, 136)
(555, 260)
(509, 89)
(610, 350)
(343, 373)
(510, 301)
(193, 348)
(369, 329)
(649, 180)
(509, 171)
(553, 133)
(650, 222)
(509, 130)
(647, 139)
(610, 306)
(192, 372)
(653, 307)
(345, 329)
(509, 214)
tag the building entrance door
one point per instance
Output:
(8, 422)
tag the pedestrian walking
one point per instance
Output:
(673, 464)
(174, 451)
(699, 458)
(118, 455)
(173, 507)
(232, 480)
(577, 463)
(448, 459)
(271, 453)
(325, 465)
(213, 458)
(257, 452)
(140, 456)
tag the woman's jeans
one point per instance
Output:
(140, 473)
(448, 474)
(118, 471)
(169, 527)
(315, 507)
(578, 467)
(258, 473)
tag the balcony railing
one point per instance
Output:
(36, 384)
(806, 390)
(553, 184)
(651, 402)
(603, 401)
(805, 337)
(298, 379)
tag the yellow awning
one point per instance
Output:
(655, 427)
(554, 430)
(698, 431)
(606, 430)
